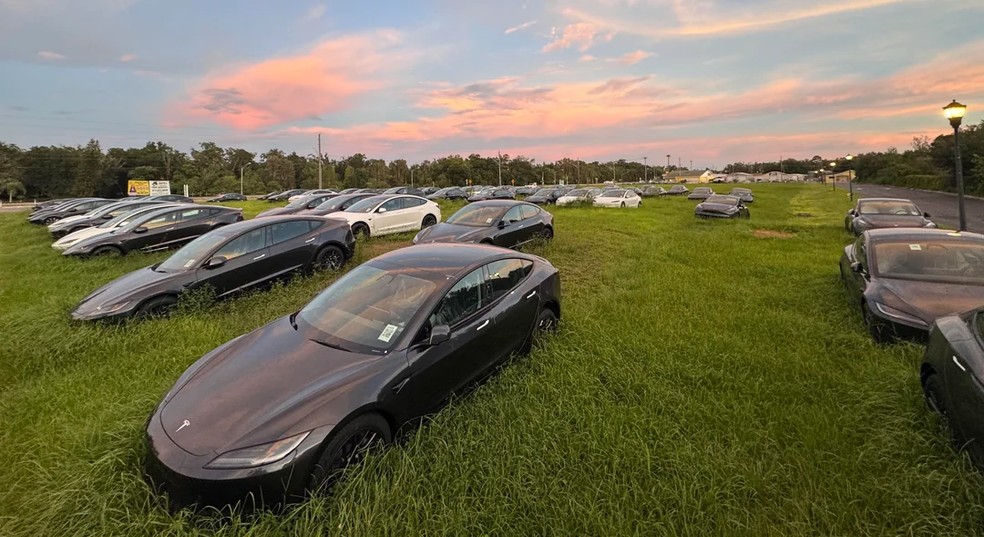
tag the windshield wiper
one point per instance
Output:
(332, 345)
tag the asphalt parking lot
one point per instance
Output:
(942, 206)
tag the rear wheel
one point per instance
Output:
(348, 447)
(360, 230)
(429, 221)
(623, 205)
(107, 251)
(546, 234)
(156, 307)
(330, 257)
(50, 220)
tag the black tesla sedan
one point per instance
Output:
(875, 213)
(701, 193)
(546, 196)
(449, 193)
(158, 230)
(721, 206)
(492, 193)
(744, 194)
(229, 196)
(335, 204)
(168, 198)
(285, 408)
(64, 210)
(286, 194)
(903, 279)
(298, 205)
(677, 190)
(503, 223)
(952, 376)
(405, 190)
(229, 259)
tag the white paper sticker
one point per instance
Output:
(915, 247)
(189, 263)
(488, 220)
(387, 333)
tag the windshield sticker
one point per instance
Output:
(387, 333)
(915, 247)
(488, 220)
(189, 263)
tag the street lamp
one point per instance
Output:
(645, 169)
(850, 178)
(833, 176)
(955, 113)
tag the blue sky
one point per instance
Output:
(708, 81)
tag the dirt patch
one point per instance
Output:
(803, 215)
(772, 234)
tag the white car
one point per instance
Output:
(68, 240)
(618, 197)
(389, 213)
(311, 193)
(580, 195)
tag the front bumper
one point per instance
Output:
(900, 329)
(712, 214)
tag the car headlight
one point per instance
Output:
(115, 307)
(258, 455)
(898, 314)
(930, 224)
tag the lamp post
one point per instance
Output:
(645, 169)
(955, 113)
(850, 178)
(833, 176)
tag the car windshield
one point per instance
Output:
(545, 193)
(898, 208)
(333, 204)
(476, 215)
(366, 205)
(368, 308)
(577, 193)
(298, 203)
(737, 191)
(613, 193)
(953, 261)
(678, 188)
(726, 200)
(702, 190)
(124, 218)
(191, 253)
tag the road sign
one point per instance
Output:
(136, 187)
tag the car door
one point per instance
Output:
(513, 311)
(439, 370)
(532, 221)
(191, 223)
(859, 279)
(245, 263)
(158, 230)
(414, 212)
(963, 379)
(292, 247)
(512, 228)
(387, 217)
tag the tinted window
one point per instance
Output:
(513, 215)
(529, 211)
(979, 324)
(244, 244)
(214, 212)
(162, 220)
(394, 204)
(957, 261)
(191, 214)
(285, 231)
(314, 224)
(505, 275)
(412, 202)
(464, 299)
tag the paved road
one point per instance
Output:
(941, 206)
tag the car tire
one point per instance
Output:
(346, 447)
(156, 307)
(50, 220)
(623, 205)
(933, 391)
(878, 331)
(360, 230)
(107, 251)
(330, 257)
(429, 220)
(546, 233)
(546, 323)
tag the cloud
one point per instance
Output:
(520, 27)
(325, 79)
(586, 58)
(316, 12)
(48, 55)
(127, 58)
(617, 85)
(633, 57)
(581, 35)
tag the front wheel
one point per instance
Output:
(156, 307)
(107, 251)
(348, 447)
(623, 205)
(329, 258)
(50, 220)
(880, 333)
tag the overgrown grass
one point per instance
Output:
(706, 380)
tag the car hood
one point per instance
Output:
(80, 235)
(894, 220)
(930, 300)
(716, 207)
(65, 221)
(135, 286)
(256, 388)
(606, 199)
(445, 232)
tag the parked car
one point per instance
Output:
(230, 196)
(349, 191)
(48, 204)
(229, 259)
(677, 190)
(576, 196)
(875, 213)
(721, 206)
(618, 197)
(69, 208)
(701, 193)
(545, 196)
(389, 213)
(527, 190)
(167, 227)
(286, 408)
(298, 205)
(428, 190)
(335, 204)
(503, 223)
(449, 193)
(286, 194)
(120, 221)
(169, 198)
(903, 279)
(653, 191)
(405, 190)
(492, 193)
(310, 193)
(952, 376)
(744, 194)
(97, 216)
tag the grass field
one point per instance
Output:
(709, 378)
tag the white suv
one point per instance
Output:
(389, 213)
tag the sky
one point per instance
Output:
(707, 82)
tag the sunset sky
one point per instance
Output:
(708, 81)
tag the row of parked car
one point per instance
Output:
(915, 282)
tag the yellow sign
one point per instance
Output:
(137, 188)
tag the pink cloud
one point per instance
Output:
(323, 80)
(581, 35)
(633, 57)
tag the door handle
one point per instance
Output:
(169, 229)
(261, 256)
(483, 325)
(962, 368)
(531, 295)
(310, 240)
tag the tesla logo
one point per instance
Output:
(183, 425)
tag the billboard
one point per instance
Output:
(139, 187)
(160, 188)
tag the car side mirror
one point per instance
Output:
(502, 224)
(107, 216)
(140, 229)
(856, 267)
(381, 210)
(439, 334)
(216, 262)
(926, 215)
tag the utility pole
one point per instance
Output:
(679, 162)
(320, 160)
(645, 169)
(500, 168)
(411, 176)
(667, 164)
(241, 168)
(613, 171)
(691, 164)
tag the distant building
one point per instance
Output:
(690, 176)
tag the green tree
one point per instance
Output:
(12, 187)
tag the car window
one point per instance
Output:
(191, 214)
(162, 220)
(314, 224)
(412, 202)
(214, 212)
(244, 244)
(284, 231)
(513, 215)
(529, 211)
(505, 275)
(464, 299)
(979, 324)
(394, 204)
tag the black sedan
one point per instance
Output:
(701, 193)
(230, 196)
(449, 193)
(285, 408)
(721, 206)
(952, 375)
(744, 194)
(298, 205)
(97, 216)
(405, 190)
(335, 204)
(268, 195)
(653, 191)
(48, 204)
(875, 213)
(492, 193)
(69, 208)
(168, 198)
(286, 194)
(903, 279)
(503, 223)
(677, 190)
(228, 260)
(165, 228)
(546, 196)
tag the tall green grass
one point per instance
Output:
(706, 380)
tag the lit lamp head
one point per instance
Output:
(833, 165)
(955, 113)
(849, 157)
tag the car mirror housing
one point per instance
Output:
(216, 262)
(439, 334)
(501, 224)
(926, 215)
(107, 216)
(856, 267)
(381, 210)
(140, 229)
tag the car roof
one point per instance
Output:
(448, 258)
(915, 233)
(862, 200)
(498, 203)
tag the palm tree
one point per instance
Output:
(12, 187)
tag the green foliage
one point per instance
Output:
(12, 187)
